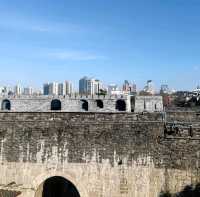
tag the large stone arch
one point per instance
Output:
(38, 183)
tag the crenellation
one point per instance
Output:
(81, 103)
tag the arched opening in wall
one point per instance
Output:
(55, 104)
(121, 105)
(84, 105)
(6, 105)
(99, 103)
(58, 186)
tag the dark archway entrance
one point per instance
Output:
(121, 105)
(84, 105)
(59, 187)
(6, 105)
(55, 104)
(99, 103)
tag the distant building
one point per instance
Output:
(61, 90)
(129, 88)
(149, 88)
(83, 85)
(197, 90)
(90, 86)
(7, 90)
(4, 90)
(37, 92)
(164, 89)
(46, 89)
(17, 90)
(126, 86)
(1, 90)
(53, 88)
(67, 88)
(94, 86)
(28, 91)
(113, 89)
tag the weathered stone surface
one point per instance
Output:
(102, 154)
(75, 104)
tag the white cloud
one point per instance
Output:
(75, 55)
(23, 24)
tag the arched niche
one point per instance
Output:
(6, 105)
(55, 105)
(121, 105)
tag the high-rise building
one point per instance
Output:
(83, 85)
(17, 90)
(53, 88)
(94, 86)
(61, 90)
(90, 86)
(65, 88)
(164, 89)
(126, 86)
(149, 88)
(46, 89)
(68, 88)
(129, 88)
(28, 91)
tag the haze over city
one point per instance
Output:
(45, 41)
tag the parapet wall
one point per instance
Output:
(82, 103)
(103, 154)
(148, 103)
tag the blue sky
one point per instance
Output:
(113, 40)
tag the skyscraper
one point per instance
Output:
(90, 86)
(83, 85)
(46, 89)
(61, 90)
(129, 88)
(28, 91)
(94, 86)
(53, 88)
(17, 90)
(68, 88)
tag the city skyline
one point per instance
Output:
(136, 41)
(92, 86)
(76, 85)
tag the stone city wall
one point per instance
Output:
(148, 103)
(102, 154)
(77, 104)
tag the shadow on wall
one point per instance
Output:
(188, 191)
(7, 193)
